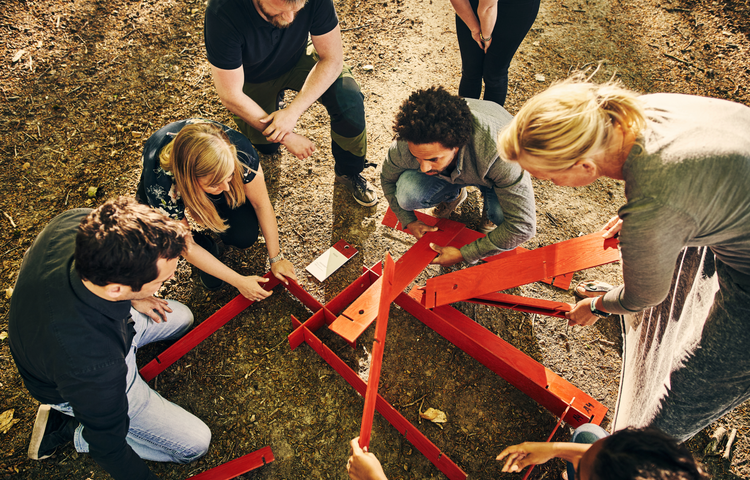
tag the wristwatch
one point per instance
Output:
(596, 311)
(277, 258)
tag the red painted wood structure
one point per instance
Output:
(378, 347)
(357, 306)
(238, 466)
(357, 317)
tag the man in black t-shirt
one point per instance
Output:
(83, 304)
(259, 48)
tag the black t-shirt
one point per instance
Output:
(70, 345)
(236, 35)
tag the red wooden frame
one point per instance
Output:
(542, 385)
(238, 466)
(360, 314)
(378, 346)
(531, 266)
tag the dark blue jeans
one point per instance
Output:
(415, 190)
(514, 20)
(586, 433)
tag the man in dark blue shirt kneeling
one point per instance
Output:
(84, 302)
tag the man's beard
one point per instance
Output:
(275, 20)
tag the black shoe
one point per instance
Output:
(210, 282)
(51, 429)
(361, 189)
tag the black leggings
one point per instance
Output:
(514, 20)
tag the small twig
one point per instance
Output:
(415, 401)
(730, 441)
(274, 347)
(551, 218)
(129, 33)
(606, 342)
(11, 219)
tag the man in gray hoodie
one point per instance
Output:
(443, 144)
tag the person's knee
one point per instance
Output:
(180, 314)
(346, 107)
(200, 442)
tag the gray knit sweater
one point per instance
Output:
(478, 164)
(687, 183)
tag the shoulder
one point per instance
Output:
(246, 154)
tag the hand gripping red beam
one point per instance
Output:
(201, 332)
(378, 346)
(526, 267)
(467, 236)
(238, 466)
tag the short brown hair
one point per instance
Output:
(121, 241)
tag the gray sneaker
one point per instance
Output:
(444, 209)
(361, 189)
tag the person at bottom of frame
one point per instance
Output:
(443, 144)
(83, 304)
(215, 173)
(592, 454)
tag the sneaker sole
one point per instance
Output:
(40, 424)
(370, 204)
(345, 184)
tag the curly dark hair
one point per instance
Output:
(435, 116)
(644, 454)
(121, 241)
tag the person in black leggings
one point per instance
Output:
(214, 172)
(489, 33)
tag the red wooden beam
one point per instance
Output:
(560, 258)
(238, 466)
(404, 427)
(201, 332)
(378, 347)
(360, 314)
(538, 382)
(467, 236)
(523, 304)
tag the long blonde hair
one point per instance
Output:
(570, 121)
(204, 150)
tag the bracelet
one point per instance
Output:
(596, 311)
(482, 37)
(277, 258)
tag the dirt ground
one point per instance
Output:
(84, 84)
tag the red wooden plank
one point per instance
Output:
(238, 466)
(201, 332)
(467, 236)
(524, 304)
(360, 314)
(538, 382)
(526, 267)
(378, 347)
(412, 434)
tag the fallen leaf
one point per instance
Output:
(434, 415)
(18, 55)
(3, 335)
(7, 421)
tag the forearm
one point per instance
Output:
(487, 13)
(466, 14)
(320, 78)
(203, 260)
(229, 85)
(270, 229)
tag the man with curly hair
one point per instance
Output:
(443, 144)
(83, 304)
